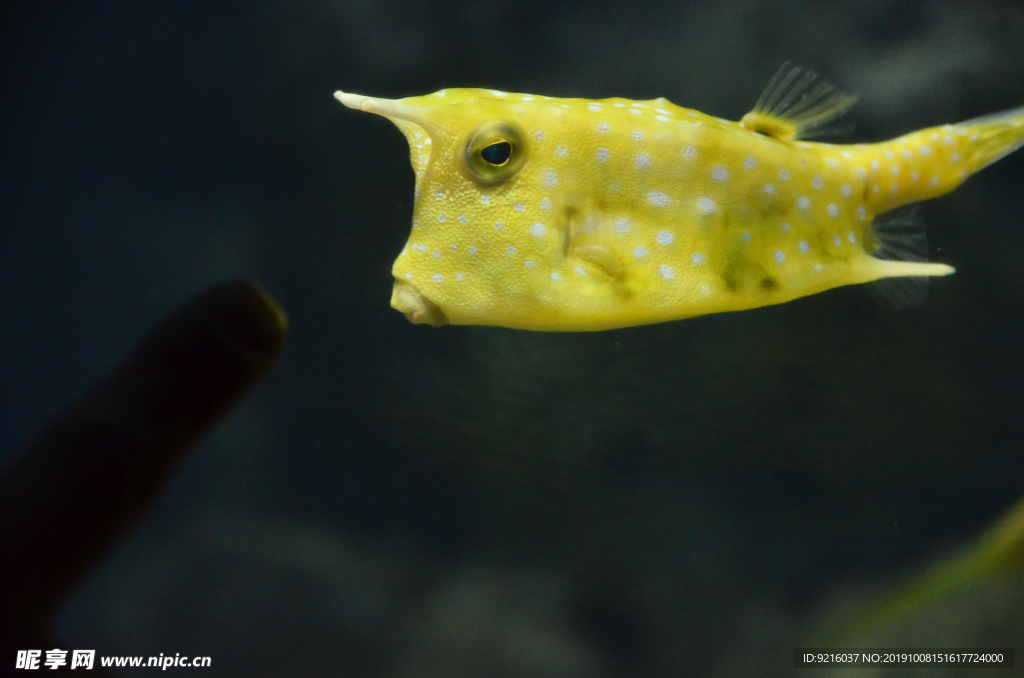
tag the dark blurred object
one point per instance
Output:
(94, 469)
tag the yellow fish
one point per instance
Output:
(541, 213)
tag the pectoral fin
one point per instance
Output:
(600, 257)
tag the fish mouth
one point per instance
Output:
(416, 307)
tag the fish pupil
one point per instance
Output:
(498, 153)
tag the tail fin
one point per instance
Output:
(930, 162)
(994, 137)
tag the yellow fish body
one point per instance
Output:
(540, 213)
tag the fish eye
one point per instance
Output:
(497, 153)
(494, 152)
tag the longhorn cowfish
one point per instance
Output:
(540, 213)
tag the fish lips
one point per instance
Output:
(417, 308)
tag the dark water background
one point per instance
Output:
(397, 500)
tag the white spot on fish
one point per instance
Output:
(538, 135)
(874, 164)
(666, 272)
(550, 178)
(437, 254)
(472, 251)
(718, 173)
(862, 213)
(545, 204)
(511, 249)
(594, 107)
(832, 210)
(529, 263)
(769, 189)
(602, 154)
(832, 162)
(497, 225)
(555, 276)
(749, 163)
(948, 140)
(642, 159)
(458, 276)
(519, 207)
(661, 118)
(437, 277)
(888, 154)
(640, 252)
(955, 157)
(803, 202)
(663, 111)
(846, 190)
(925, 150)
(440, 218)
(779, 256)
(665, 238)
(934, 181)
(562, 151)
(785, 227)
(804, 247)
(603, 128)
(697, 258)
(706, 205)
(537, 229)
(689, 152)
(861, 173)
(914, 176)
(485, 199)
(895, 170)
(638, 135)
(657, 198)
(907, 153)
(633, 110)
(837, 240)
(580, 270)
(408, 275)
(784, 174)
(817, 182)
(746, 236)
(622, 225)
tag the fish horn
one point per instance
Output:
(389, 108)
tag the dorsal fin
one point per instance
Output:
(795, 103)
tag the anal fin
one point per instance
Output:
(901, 247)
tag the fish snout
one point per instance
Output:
(416, 307)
